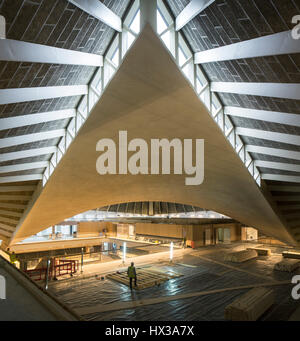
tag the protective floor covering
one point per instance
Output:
(146, 278)
(200, 274)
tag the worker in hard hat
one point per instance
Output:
(131, 272)
(13, 257)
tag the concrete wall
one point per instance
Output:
(199, 237)
(94, 228)
(59, 244)
(249, 233)
(162, 230)
(235, 232)
(195, 234)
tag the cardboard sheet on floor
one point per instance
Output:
(206, 276)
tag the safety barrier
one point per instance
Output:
(37, 274)
(58, 268)
(65, 267)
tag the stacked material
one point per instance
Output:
(287, 264)
(261, 251)
(251, 306)
(291, 254)
(240, 256)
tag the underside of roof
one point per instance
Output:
(133, 100)
(267, 121)
(225, 23)
(50, 23)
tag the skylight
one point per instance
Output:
(181, 56)
(161, 22)
(115, 57)
(135, 24)
(166, 38)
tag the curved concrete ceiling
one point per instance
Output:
(150, 98)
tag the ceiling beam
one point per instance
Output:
(11, 213)
(21, 121)
(24, 166)
(295, 226)
(295, 189)
(2, 27)
(292, 215)
(14, 197)
(98, 10)
(24, 188)
(269, 135)
(27, 153)
(279, 90)
(5, 233)
(289, 207)
(263, 115)
(7, 227)
(12, 205)
(9, 220)
(279, 177)
(194, 8)
(16, 95)
(277, 165)
(19, 178)
(270, 45)
(20, 51)
(29, 138)
(287, 198)
(288, 154)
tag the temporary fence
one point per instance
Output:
(58, 267)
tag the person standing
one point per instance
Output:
(131, 272)
(184, 238)
(12, 257)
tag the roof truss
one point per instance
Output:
(21, 121)
(20, 51)
(23, 166)
(288, 154)
(28, 138)
(99, 11)
(19, 178)
(279, 177)
(278, 165)
(27, 153)
(264, 115)
(269, 135)
(191, 11)
(270, 45)
(279, 90)
(8, 96)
